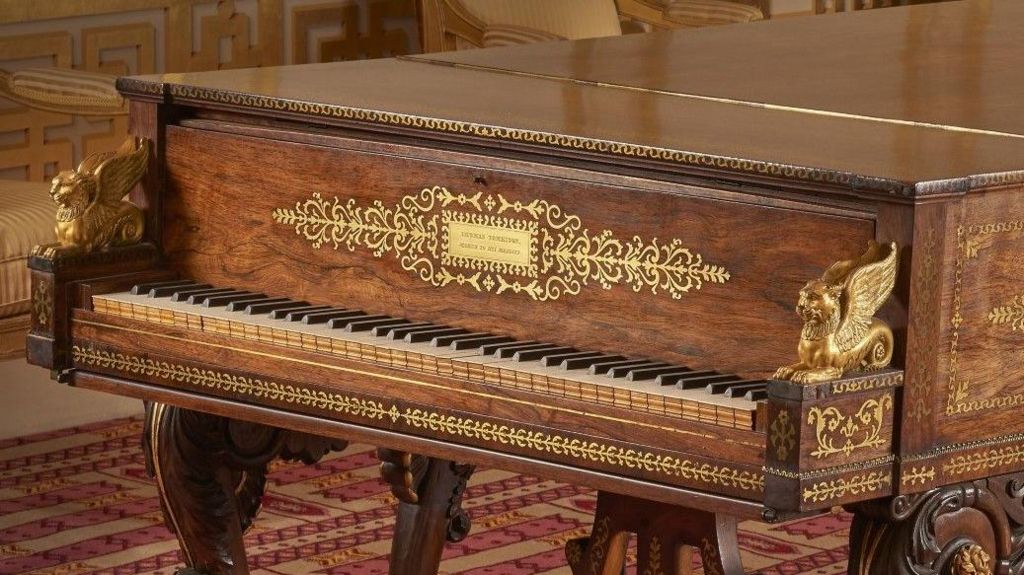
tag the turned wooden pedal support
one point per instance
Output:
(666, 537)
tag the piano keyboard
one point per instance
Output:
(634, 383)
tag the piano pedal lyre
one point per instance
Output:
(666, 538)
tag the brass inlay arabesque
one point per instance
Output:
(782, 434)
(837, 432)
(496, 245)
(453, 426)
(970, 242)
(855, 485)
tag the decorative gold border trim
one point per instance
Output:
(456, 427)
(840, 387)
(831, 425)
(915, 475)
(856, 485)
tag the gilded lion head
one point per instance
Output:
(819, 303)
(72, 192)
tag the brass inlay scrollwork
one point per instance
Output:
(453, 426)
(840, 333)
(856, 485)
(1011, 313)
(496, 245)
(985, 460)
(970, 242)
(91, 211)
(917, 475)
(840, 433)
(782, 434)
(42, 302)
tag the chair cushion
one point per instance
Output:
(498, 35)
(696, 13)
(64, 91)
(26, 219)
(572, 19)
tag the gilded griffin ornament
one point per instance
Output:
(840, 333)
(91, 211)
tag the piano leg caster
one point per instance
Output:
(210, 473)
(666, 538)
(969, 528)
(429, 493)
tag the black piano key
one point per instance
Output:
(168, 291)
(718, 387)
(741, 389)
(646, 373)
(267, 307)
(672, 377)
(622, 370)
(225, 299)
(369, 324)
(446, 340)
(241, 304)
(344, 321)
(386, 330)
(296, 313)
(756, 394)
(401, 331)
(535, 354)
(197, 298)
(474, 343)
(183, 294)
(424, 336)
(585, 362)
(494, 348)
(509, 351)
(603, 367)
(703, 381)
(143, 288)
(332, 313)
(557, 359)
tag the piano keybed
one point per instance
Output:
(549, 368)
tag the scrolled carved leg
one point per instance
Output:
(430, 511)
(210, 473)
(965, 529)
(666, 537)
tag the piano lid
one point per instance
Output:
(908, 101)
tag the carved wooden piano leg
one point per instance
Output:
(210, 473)
(666, 537)
(430, 511)
(965, 529)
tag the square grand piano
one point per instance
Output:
(579, 260)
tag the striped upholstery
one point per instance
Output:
(26, 219)
(498, 35)
(63, 91)
(572, 19)
(696, 13)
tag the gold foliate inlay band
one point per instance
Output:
(856, 485)
(837, 432)
(450, 425)
(495, 245)
(1012, 314)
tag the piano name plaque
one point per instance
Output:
(495, 245)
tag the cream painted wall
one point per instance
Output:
(31, 402)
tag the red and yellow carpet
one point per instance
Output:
(78, 501)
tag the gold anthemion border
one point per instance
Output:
(564, 256)
(452, 426)
(855, 485)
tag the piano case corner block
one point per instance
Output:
(830, 443)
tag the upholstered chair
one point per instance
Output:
(26, 210)
(459, 24)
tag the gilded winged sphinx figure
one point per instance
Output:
(91, 211)
(840, 333)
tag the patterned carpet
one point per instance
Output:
(78, 501)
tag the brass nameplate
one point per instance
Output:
(495, 245)
(488, 243)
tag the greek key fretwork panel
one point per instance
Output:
(172, 36)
